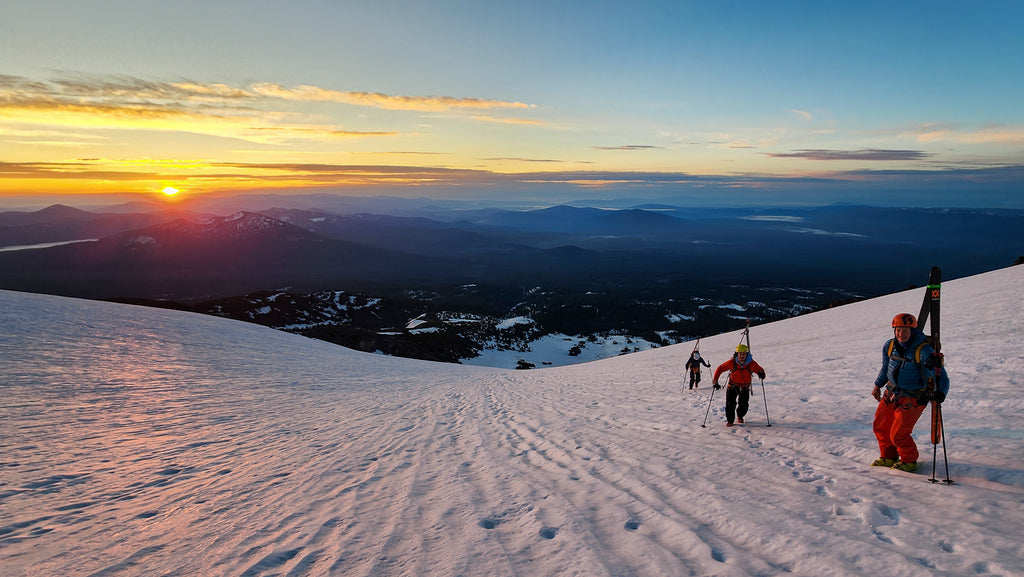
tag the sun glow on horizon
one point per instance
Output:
(170, 191)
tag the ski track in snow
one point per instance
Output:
(136, 441)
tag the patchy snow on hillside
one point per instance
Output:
(138, 441)
(557, 349)
(43, 245)
(514, 321)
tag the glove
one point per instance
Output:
(938, 397)
(717, 386)
(760, 375)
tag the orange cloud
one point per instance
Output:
(947, 132)
(378, 100)
(990, 135)
(316, 132)
(520, 121)
(246, 113)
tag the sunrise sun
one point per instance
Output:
(170, 191)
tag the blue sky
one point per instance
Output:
(906, 103)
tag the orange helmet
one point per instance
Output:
(904, 320)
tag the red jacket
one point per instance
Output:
(739, 374)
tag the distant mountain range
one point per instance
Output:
(655, 270)
(60, 223)
(199, 258)
(189, 255)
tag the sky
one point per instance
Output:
(909, 103)
(144, 441)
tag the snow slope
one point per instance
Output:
(138, 441)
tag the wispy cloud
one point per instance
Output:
(627, 147)
(125, 90)
(256, 112)
(862, 154)
(933, 132)
(404, 153)
(987, 135)
(499, 120)
(87, 170)
(282, 174)
(347, 174)
(378, 100)
(519, 159)
(319, 132)
(1005, 174)
(202, 174)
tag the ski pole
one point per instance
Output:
(935, 446)
(765, 404)
(936, 437)
(945, 459)
(935, 451)
(708, 412)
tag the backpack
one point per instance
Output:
(917, 351)
(928, 383)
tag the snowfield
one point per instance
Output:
(137, 441)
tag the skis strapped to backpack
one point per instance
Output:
(930, 313)
(746, 335)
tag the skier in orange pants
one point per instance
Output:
(907, 360)
(894, 429)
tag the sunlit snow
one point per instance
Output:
(138, 441)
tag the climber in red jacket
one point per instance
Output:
(737, 393)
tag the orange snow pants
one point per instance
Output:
(894, 428)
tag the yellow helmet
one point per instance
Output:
(742, 349)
